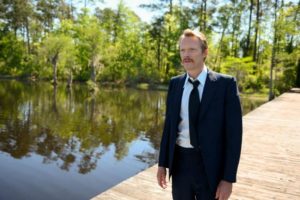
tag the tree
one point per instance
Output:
(238, 7)
(53, 49)
(221, 23)
(11, 61)
(106, 19)
(123, 57)
(17, 16)
(247, 48)
(47, 12)
(115, 45)
(166, 43)
(256, 30)
(69, 59)
(155, 31)
(298, 74)
(285, 49)
(242, 69)
(89, 41)
(202, 14)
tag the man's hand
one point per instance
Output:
(224, 190)
(161, 177)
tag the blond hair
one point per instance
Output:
(201, 37)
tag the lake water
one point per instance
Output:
(69, 144)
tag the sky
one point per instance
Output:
(143, 13)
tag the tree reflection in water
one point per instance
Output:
(73, 127)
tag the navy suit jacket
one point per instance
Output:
(219, 127)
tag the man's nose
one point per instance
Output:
(186, 54)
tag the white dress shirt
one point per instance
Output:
(183, 138)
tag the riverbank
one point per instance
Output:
(139, 86)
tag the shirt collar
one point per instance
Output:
(201, 77)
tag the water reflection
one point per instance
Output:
(79, 133)
(55, 123)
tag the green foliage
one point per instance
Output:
(12, 54)
(286, 71)
(243, 70)
(57, 51)
(114, 45)
(89, 43)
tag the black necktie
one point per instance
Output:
(194, 108)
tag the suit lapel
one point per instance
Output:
(208, 92)
(178, 97)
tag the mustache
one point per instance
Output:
(187, 59)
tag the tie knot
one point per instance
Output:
(194, 83)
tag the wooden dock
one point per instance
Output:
(270, 160)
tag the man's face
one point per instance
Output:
(191, 54)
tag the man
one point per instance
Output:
(202, 135)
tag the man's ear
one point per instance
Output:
(205, 53)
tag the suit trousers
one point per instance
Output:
(189, 180)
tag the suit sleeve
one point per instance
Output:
(164, 145)
(233, 131)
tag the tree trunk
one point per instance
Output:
(54, 65)
(289, 47)
(158, 54)
(72, 13)
(298, 74)
(93, 64)
(249, 30)
(171, 6)
(256, 31)
(93, 73)
(233, 41)
(54, 105)
(27, 35)
(181, 15)
(115, 25)
(271, 93)
(70, 79)
(220, 44)
(204, 14)
(235, 29)
(168, 41)
(201, 17)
